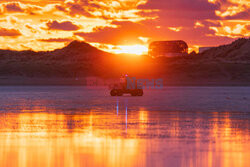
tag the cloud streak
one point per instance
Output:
(45, 24)
(64, 25)
(9, 32)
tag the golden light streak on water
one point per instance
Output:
(101, 139)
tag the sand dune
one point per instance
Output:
(224, 65)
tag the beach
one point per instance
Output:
(83, 126)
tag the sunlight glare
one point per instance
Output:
(131, 49)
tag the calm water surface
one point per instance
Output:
(78, 126)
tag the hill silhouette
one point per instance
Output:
(226, 64)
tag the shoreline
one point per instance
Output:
(83, 81)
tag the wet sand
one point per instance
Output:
(83, 81)
(80, 126)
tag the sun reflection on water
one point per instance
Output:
(122, 138)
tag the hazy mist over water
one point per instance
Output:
(77, 126)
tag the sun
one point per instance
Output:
(136, 49)
(131, 49)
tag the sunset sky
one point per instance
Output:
(121, 26)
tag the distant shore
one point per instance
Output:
(84, 81)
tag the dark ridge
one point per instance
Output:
(225, 63)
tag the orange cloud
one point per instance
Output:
(56, 40)
(13, 7)
(47, 25)
(65, 25)
(37, 21)
(176, 29)
(18, 7)
(231, 11)
(232, 8)
(115, 10)
(9, 32)
(198, 24)
(232, 29)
